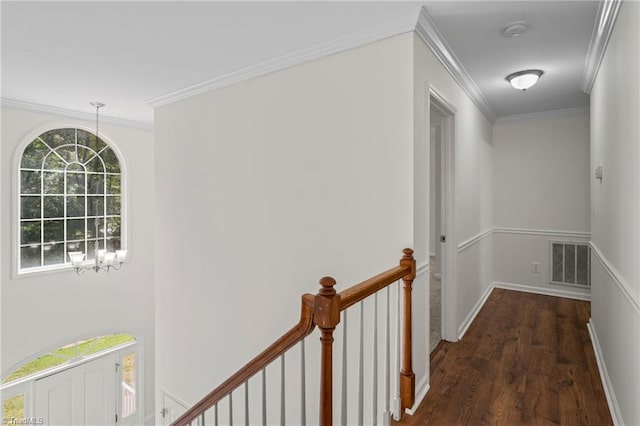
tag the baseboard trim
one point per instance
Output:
(543, 290)
(609, 393)
(474, 312)
(423, 388)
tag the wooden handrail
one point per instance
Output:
(303, 328)
(359, 292)
(323, 310)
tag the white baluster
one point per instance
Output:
(375, 360)
(264, 397)
(282, 393)
(386, 420)
(361, 369)
(397, 407)
(246, 403)
(303, 387)
(343, 413)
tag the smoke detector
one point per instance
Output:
(514, 29)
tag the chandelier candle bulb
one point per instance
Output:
(121, 255)
(109, 257)
(76, 258)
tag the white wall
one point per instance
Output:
(540, 193)
(472, 185)
(266, 186)
(615, 214)
(42, 312)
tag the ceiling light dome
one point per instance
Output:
(514, 29)
(522, 80)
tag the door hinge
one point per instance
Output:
(116, 417)
(443, 238)
(117, 366)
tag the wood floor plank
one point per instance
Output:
(526, 359)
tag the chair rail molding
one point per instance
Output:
(617, 278)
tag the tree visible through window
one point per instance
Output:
(69, 181)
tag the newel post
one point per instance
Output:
(407, 377)
(326, 318)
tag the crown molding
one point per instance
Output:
(389, 28)
(80, 115)
(564, 112)
(602, 29)
(432, 37)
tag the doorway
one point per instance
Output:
(436, 230)
(442, 240)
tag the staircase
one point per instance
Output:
(386, 395)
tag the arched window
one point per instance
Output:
(70, 198)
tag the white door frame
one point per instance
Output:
(449, 250)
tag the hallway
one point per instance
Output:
(526, 359)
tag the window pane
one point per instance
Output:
(113, 244)
(13, 408)
(75, 183)
(29, 182)
(96, 184)
(91, 228)
(128, 384)
(89, 140)
(75, 206)
(53, 182)
(113, 184)
(53, 254)
(53, 230)
(75, 246)
(30, 256)
(91, 248)
(95, 165)
(110, 161)
(95, 206)
(53, 162)
(53, 206)
(84, 154)
(29, 232)
(58, 137)
(75, 167)
(113, 205)
(75, 229)
(30, 207)
(113, 227)
(33, 155)
(68, 152)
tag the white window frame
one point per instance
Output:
(124, 198)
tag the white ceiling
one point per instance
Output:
(66, 54)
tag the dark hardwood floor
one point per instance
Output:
(527, 359)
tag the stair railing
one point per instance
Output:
(321, 310)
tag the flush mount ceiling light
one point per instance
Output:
(514, 29)
(522, 80)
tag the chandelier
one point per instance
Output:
(103, 259)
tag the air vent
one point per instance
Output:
(570, 263)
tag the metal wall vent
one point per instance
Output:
(570, 263)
